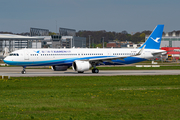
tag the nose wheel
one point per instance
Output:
(24, 70)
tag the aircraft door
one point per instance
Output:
(109, 53)
(26, 55)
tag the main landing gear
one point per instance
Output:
(95, 70)
(24, 70)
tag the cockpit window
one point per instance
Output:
(14, 54)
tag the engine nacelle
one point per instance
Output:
(79, 65)
(59, 68)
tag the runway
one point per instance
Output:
(16, 72)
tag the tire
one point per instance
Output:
(93, 71)
(96, 71)
(23, 72)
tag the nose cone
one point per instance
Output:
(6, 60)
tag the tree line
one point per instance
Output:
(96, 36)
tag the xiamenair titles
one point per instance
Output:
(52, 51)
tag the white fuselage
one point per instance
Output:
(49, 57)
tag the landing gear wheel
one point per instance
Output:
(80, 71)
(95, 70)
(92, 70)
(23, 72)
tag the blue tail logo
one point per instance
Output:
(154, 40)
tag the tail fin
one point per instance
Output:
(154, 40)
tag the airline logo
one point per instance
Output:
(38, 51)
(156, 40)
(52, 51)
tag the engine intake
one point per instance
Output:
(79, 65)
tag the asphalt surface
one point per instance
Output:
(16, 72)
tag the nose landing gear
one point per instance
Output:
(24, 70)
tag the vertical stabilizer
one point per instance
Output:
(154, 40)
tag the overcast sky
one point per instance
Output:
(111, 15)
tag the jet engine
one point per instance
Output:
(59, 68)
(79, 65)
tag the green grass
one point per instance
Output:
(118, 97)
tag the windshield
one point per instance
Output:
(14, 54)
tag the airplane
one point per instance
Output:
(82, 59)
